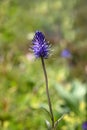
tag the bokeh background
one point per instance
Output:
(22, 89)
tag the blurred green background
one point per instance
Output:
(22, 88)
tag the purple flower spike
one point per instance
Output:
(84, 125)
(40, 47)
(66, 53)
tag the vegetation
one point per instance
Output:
(22, 91)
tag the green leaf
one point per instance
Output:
(57, 121)
(48, 124)
(43, 108)
(70, 100)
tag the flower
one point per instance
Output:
(84, 125)
(66, 53)
(40, 47)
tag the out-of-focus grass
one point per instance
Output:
(22, 89)
(23, 96)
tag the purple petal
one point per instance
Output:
(66, 53)
(84, 125)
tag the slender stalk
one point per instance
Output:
(47, 92)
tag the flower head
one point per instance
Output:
(40, 46)
(66, 53)
(84, 125)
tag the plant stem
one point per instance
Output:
(47, 92)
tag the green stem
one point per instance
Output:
(47, 91)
